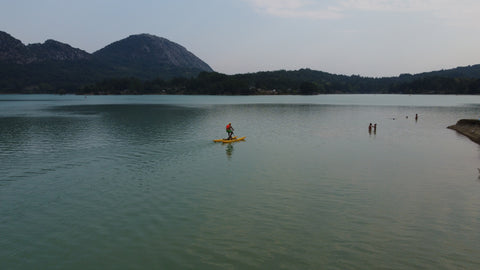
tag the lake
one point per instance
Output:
(136, 182)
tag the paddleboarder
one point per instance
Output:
(229, 130)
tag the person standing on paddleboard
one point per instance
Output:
(229, 130)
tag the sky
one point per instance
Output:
(371, 38)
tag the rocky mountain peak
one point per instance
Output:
(150, 49)
(54, 64)
(55, 50)
(12, 50)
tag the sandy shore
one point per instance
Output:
(469, 128)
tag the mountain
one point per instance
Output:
(146, 56)
(52, 65)
(53, 50)
(13, 51)
(145, 49)
(146, 64)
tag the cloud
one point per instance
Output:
(387, 5)
(452, 11)
(296, 9)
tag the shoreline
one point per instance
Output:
(469, 128)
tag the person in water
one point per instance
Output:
(229, 130)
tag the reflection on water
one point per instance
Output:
(229, 150)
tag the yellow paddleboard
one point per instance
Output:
(234, 139)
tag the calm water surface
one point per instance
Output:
(135, 182)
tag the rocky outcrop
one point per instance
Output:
(469, 128)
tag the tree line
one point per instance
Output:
(301, 82)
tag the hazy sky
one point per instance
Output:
(366, 37)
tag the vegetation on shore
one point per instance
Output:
(300, 82)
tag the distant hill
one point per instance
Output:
(282, 82)
(147, 64)
(53, 65)
(459, 72)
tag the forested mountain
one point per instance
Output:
(459, 72)
(146, 64)
(53, 65)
